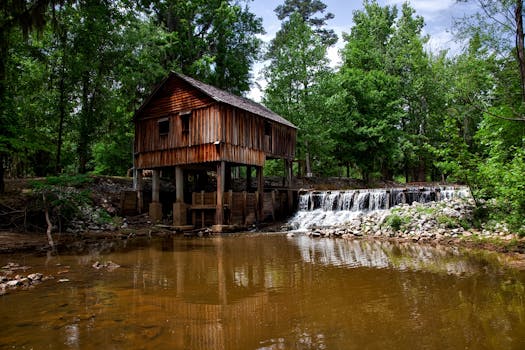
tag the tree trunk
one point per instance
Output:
(421, 170)
(61, 106)
(83, 141)
(520, 45)
(307, 160)
(3, 59)
(49, 225)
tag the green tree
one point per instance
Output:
(15, 15)
(499, 24)
(214, 41)
(307, 9)
(373, 101)
(298, 63)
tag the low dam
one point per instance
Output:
(332, 208)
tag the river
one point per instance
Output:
(266, 291)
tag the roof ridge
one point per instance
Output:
(235, 100)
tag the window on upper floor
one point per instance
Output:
(164, 126)
(185, 120)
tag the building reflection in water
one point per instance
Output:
(274, 292)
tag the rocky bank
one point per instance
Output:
(428, 222)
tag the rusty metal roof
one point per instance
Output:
(225, 97)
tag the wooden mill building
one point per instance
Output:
(199, 133)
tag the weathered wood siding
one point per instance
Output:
(213, 132)
(246, 130)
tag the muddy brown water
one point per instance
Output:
(267, 291)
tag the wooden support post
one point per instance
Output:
(179, 207)
(248, 178)
(203, 214)
(288, 165)
(155, 186)
(288, 172)
(219, 213)
(140, 193)
(260, 191)
(155, 207)
(193, 212)
(244, 208)
(179, 184)
(230, 206)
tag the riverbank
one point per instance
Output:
(450, 222)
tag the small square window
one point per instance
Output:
(185, 120)
(267, 129)
(164, 126)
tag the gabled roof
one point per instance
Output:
(224, 97)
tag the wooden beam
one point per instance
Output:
(155, 186)
(288, 172)
(219, 214)
(179, 184)
(155, 207)
(260, 190)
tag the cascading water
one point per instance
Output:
(332, 208)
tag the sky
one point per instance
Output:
(439, 16)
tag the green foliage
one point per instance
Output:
(62, 197)
(68, 94)
(499, 179)
(297, 75)
(79, 180)
(395, 221)
(392, 110)
(450, 222)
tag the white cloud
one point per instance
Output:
(443, 40)
(426, 7)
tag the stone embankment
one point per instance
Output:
(433, 221)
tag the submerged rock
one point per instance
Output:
(110, 265)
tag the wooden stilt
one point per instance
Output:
(140, 193)
(179, 184)
(288, 165)
(260, 191)
(244, 207)
(219, 213)
(179, 207)
(155, 207)
(155, 186)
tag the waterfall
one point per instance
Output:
(332, 208)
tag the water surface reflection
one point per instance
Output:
(400, 256)
(270, 292)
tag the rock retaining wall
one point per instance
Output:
(416, 222)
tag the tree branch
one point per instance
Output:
(49, 225)
(517, 117)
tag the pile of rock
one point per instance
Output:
(416, 222)
(92, 218)
(11, 279)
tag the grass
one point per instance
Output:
(396, 222)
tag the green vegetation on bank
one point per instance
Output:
(73, 72)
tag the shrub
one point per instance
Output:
(395, 221)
